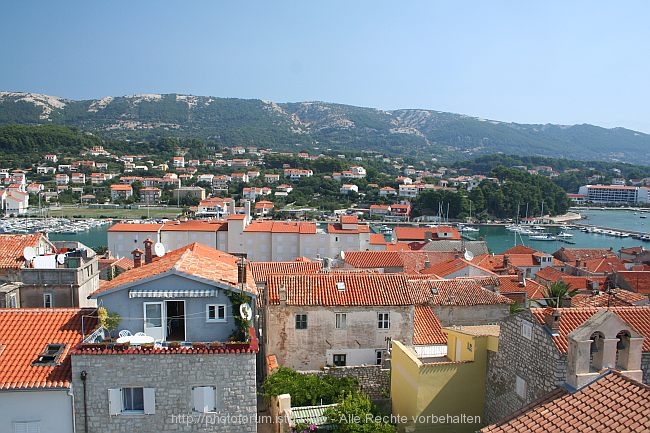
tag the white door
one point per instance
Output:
(154, 320)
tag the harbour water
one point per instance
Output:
(497, 237)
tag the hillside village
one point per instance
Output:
(182, 322)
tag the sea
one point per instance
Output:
(498, 239)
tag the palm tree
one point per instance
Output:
(554, 293)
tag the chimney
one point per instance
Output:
(506, 261)
(427, 263)
(137, 257)
(282, 294)
(247, 209)
(552, 321)
(148, 253)
(521, 279)
(428, 236)
(577, 263)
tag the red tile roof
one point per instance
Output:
(613, 403)
(639, 281)
(25, 333)
(520, 249)
(377, 239)
(12, 246)
(195, 225)
(282, 227)
(456, 292)
(122, 227)
(407, 261)
(447, 268)
(349, 219)
(337, 228)
(616, 298)
(420, 233)
(262, 270)
(604, 264)
(570, 255)
(359, 289)
(571, 318)
(426, 327)
(509, 284)
(194, 259)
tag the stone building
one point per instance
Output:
(542, 349)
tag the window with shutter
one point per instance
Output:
(114, 401)
(204, 399)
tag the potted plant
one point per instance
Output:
(108, 321)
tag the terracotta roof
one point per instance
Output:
(337, 228)
(510, 284)
(121, 187)
(122, 227)
(12, 246)
(123, 263)
(262, 270)
(520, 249)
(449, 267)
(420, 233)
(25, 334)
(550, 274)
(489, 261)
(195, 226)
(194, 259)
(618, 298)
(570, 255)
(282, 227)
(571, 318)
(358, 289)
(349, 219)
(456, 292)
(639, 281)
(377, 239)
(426, 327)
(613, 403)
(407, 261)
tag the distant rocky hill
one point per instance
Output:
(319, 126)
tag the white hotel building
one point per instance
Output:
(614, 194)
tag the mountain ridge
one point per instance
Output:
(317, 125)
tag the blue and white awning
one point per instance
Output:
(172, 293)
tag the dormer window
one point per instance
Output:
(50, 356)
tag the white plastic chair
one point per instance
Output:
(125, 333)
(140, 334)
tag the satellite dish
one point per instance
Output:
(159, 249)
(468, 255)
(60, 258)
(245, 311)
(29, 253)
(342, 255)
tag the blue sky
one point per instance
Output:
(523, 61)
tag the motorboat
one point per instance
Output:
(543, 237)
(564, 235)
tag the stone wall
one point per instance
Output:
(645, 366)
(373, 380)
(537, 361)
(172, 376)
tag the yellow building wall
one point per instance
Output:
(429, 396)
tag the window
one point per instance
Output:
(383, 320)
(379, 357)
(340, 359)
(341, 321)
(301, 321)
(527, 329)
(50, 355)
(215, 313)
(131, 401)
(13, 303)
(27, 427)
(204, 399)
(520, 387)
(47, 300)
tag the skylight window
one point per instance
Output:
(50, 355)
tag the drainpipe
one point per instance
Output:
(84, 375)
(71, 394)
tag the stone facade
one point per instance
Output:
(172, 376)
(645, 367)
(459, 315)
(535, 360)
(314, 348)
